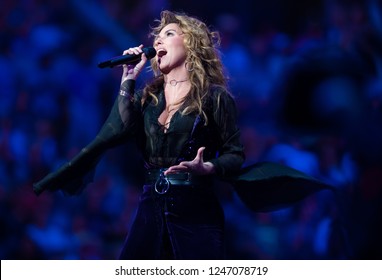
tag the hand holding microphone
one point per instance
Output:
(129, 57)
(133, 60)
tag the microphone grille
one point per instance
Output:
(150, 52)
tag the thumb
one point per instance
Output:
(199, 154)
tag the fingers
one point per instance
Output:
(135, 50)
(131, 71)
(194, 166)
(176, 169)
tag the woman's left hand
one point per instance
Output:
(196, 166)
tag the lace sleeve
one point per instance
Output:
(120, 125)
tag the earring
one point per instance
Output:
(188, 68)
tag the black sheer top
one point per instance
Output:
(186, 133)
(129, 119)
(262, 186)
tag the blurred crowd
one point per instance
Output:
(307, 77)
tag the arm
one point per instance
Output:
(74, 175)
(121, 124)
(231, 152)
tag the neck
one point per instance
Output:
(176, 88)
(176, 77)
(174, 82)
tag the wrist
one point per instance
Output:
(127, 85)
(127, 88)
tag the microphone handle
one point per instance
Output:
(118, 60)
(131, 59)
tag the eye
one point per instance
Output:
(169, 33)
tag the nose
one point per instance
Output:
(158, 41)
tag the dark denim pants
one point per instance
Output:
(185, 223)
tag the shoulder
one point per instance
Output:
(220, 95)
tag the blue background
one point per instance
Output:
(307, 79)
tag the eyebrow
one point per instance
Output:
(171, 29)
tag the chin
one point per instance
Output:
(164, 70)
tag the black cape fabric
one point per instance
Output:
(76, 174)
(264, 186)
(269, 186)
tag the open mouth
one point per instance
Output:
(161, 52)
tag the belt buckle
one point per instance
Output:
(162, 185)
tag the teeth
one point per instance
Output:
(161, 52)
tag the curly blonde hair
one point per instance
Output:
(203, 59)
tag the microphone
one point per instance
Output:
(132, 59)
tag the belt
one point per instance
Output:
(163, 182)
